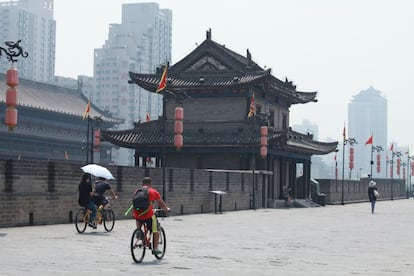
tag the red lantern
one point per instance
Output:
(178, 127)
(97, 140)
(263, 151)
(12, 77)
(263, 141)
(179, 113)
(263, 131)
(178, 141)
(11, 96)
(11, 117)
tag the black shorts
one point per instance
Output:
(153, 221)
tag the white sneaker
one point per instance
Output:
(92, 224)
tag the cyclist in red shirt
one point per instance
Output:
(148, 215)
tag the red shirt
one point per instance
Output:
(153, 195)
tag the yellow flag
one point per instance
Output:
(252, 107)
(163, 82)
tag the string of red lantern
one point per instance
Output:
(351, 158)
(263, 141)
(378, 163)
(178, 127)
(12, 79)
(398, 166)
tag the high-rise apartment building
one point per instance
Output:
(367, 115)
(140, 43)
(30, 21)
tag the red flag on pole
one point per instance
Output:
(147, 118)
(87, 109)
(392, 147)
(252, 107)
(163, 82)
(369, 141)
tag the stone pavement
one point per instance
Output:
(334, 240)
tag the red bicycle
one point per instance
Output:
(142, 239)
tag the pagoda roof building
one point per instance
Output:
(216, 87)
(51, 124)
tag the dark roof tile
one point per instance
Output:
(52, 98)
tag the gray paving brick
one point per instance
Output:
(334, 240)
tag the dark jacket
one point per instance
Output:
(371, 195)
(100, 188)
(85, 188)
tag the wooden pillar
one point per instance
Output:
(306, 177)
(282, 177)
(292, 179)
(272, 178)
(136, 158)
(199, 162)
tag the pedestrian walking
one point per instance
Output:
(372, 194)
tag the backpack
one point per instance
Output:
(140, 200)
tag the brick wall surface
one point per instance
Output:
(357, 190)
(41, 192)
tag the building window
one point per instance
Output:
(284, 121)
(272, 118)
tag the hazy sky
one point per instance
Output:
(337, 48)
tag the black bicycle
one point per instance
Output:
(142, 239)
(105, 216)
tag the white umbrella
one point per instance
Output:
(97, 171)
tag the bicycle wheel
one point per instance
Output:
(137, 247)
(162, 244)
(108, 217)
(81, 220)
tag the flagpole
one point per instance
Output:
(164, 154)
(408, 172)
(372, 156)
(252, 114)
(386, 166)
(91, 136)
(392, 175)
(163, 86)
(351, 141)
(87, 141)
(343, 169)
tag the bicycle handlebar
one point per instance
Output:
(111, 198)
(160, 213)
